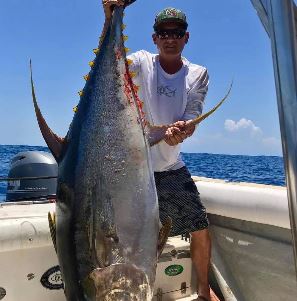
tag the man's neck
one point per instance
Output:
(171, 65)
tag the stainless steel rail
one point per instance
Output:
(278, 19)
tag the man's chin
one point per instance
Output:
(171, 52)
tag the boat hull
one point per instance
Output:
(252, 254)
(252, 249)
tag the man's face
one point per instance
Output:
(171, 44)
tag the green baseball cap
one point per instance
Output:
(171, 14)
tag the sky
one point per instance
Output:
(226, 36)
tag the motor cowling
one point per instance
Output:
(38, 165)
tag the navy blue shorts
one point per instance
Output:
(179, 198)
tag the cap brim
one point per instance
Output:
(173, 20)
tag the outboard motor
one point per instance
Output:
(32, 164)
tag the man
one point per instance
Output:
(173, 91)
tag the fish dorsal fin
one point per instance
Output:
(53, 141)
(163, 235)
(52, 225)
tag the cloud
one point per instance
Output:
(245, 137)
(271, 141)
(242, 137)
(242, 125)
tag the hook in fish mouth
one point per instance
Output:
(124, 282)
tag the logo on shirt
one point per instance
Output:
(167, 91)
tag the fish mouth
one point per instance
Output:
(124, 282)
(117, 294)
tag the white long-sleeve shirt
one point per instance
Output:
(168, 98)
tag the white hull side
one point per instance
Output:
(255, 260)
(252, 248)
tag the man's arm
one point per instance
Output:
(196, 96)
(183, 129)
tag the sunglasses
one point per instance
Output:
(170, 33)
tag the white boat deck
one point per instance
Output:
(27, 256)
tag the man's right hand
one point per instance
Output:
(109, 4)
(178, 132)
(175, 134)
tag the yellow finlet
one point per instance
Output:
(127, 49)
(132, 74)
(129, 62)
(87, 77)
(80, 93)
(96, 50)
(75, 109)
(125, 38)
(124, 26)
(91, 64)
(52, 225)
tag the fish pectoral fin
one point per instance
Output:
(163, 235)
(102, 249)
(52, 225)
(54, 142)
(103, 246)
(200, 118)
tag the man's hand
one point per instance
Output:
(178, 132)
(109, 4)
(189, 128)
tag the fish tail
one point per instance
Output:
(53, 141)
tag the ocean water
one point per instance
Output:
(256, 169)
